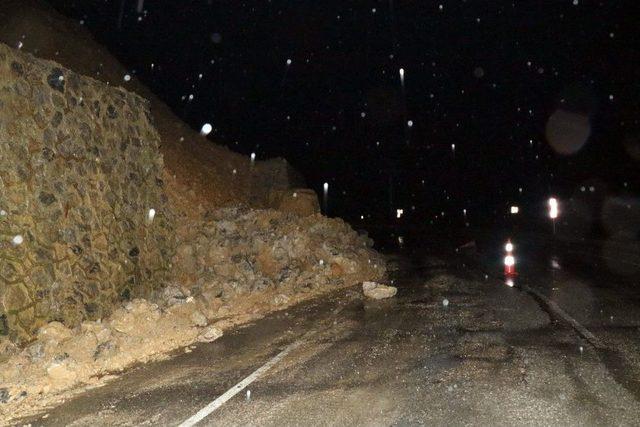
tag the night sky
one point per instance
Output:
(487, 85)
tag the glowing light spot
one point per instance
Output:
(17, 240)
(508, 247)
(151, 214)
(325, 187)
(399, 213)
(514, 210)
(410, 123)
(553, 208)
(509, 261)
(127, 77)
(206, 129)
(288, 62)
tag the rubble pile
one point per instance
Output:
(230, 268)
(237, 250)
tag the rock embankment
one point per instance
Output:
(84, 219)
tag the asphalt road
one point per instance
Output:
(456, 346)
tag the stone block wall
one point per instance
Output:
(80, 180)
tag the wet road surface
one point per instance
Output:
(456, 346)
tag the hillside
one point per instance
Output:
(199, 174)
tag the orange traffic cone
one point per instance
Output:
(509, 260)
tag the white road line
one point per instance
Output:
(563, 314)
(207, 410)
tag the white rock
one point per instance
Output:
(377, 291)
(198, 319)
(62, 372)
(210, 334)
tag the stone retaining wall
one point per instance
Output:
(80, 173)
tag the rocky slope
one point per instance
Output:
(200, 175)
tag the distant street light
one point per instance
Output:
(515, 210)
(553, 211)
(399, 213)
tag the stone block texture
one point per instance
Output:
(80, 172)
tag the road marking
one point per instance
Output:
(563, 314)
(207, 410)
(211, 407)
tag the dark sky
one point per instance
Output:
(484, 76)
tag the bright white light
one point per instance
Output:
(509, 260)
(402, 75)
(325, 186)
(553, 208)
(151, 214)
(3, 212)
(253, 157)
(508, 247)
(17, 240)
(410, 123)
(400, 240)
(509, 283)
(453, 147)
(399, 213)
(127, 77)
(515, 209)
(206, 129)
(288, 62)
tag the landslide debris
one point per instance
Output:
(230, 268)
